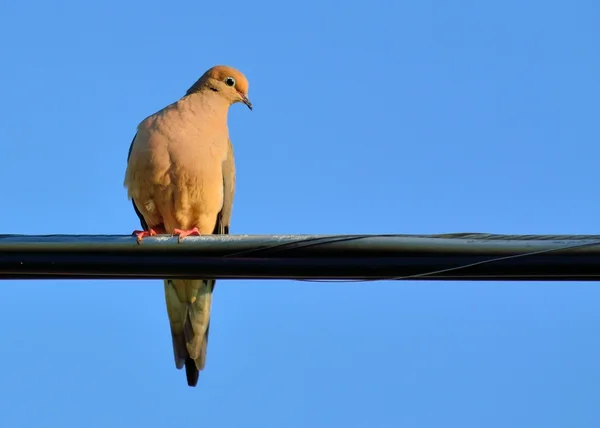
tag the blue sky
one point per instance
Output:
(381, 117)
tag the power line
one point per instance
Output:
(458, 256)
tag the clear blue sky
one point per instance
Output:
(381, 117)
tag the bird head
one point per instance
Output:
(227, 81)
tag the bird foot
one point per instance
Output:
(141, 234)
(183, 233)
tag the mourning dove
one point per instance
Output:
(181, 180)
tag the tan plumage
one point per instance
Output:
(181, 179)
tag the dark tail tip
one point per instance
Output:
(191, 372)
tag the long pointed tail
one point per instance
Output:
(188, 306)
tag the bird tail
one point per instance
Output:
(188, 306)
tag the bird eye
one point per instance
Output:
(230, 81)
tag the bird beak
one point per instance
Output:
(246, 101)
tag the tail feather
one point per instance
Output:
(191, 372)
(188, 307)
(179, 350)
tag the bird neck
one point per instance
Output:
(208, 103)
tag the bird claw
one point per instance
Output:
(141, 234)
(183, 233)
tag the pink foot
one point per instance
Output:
(184, 233)
(141, 234)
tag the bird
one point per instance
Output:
(180, 178)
